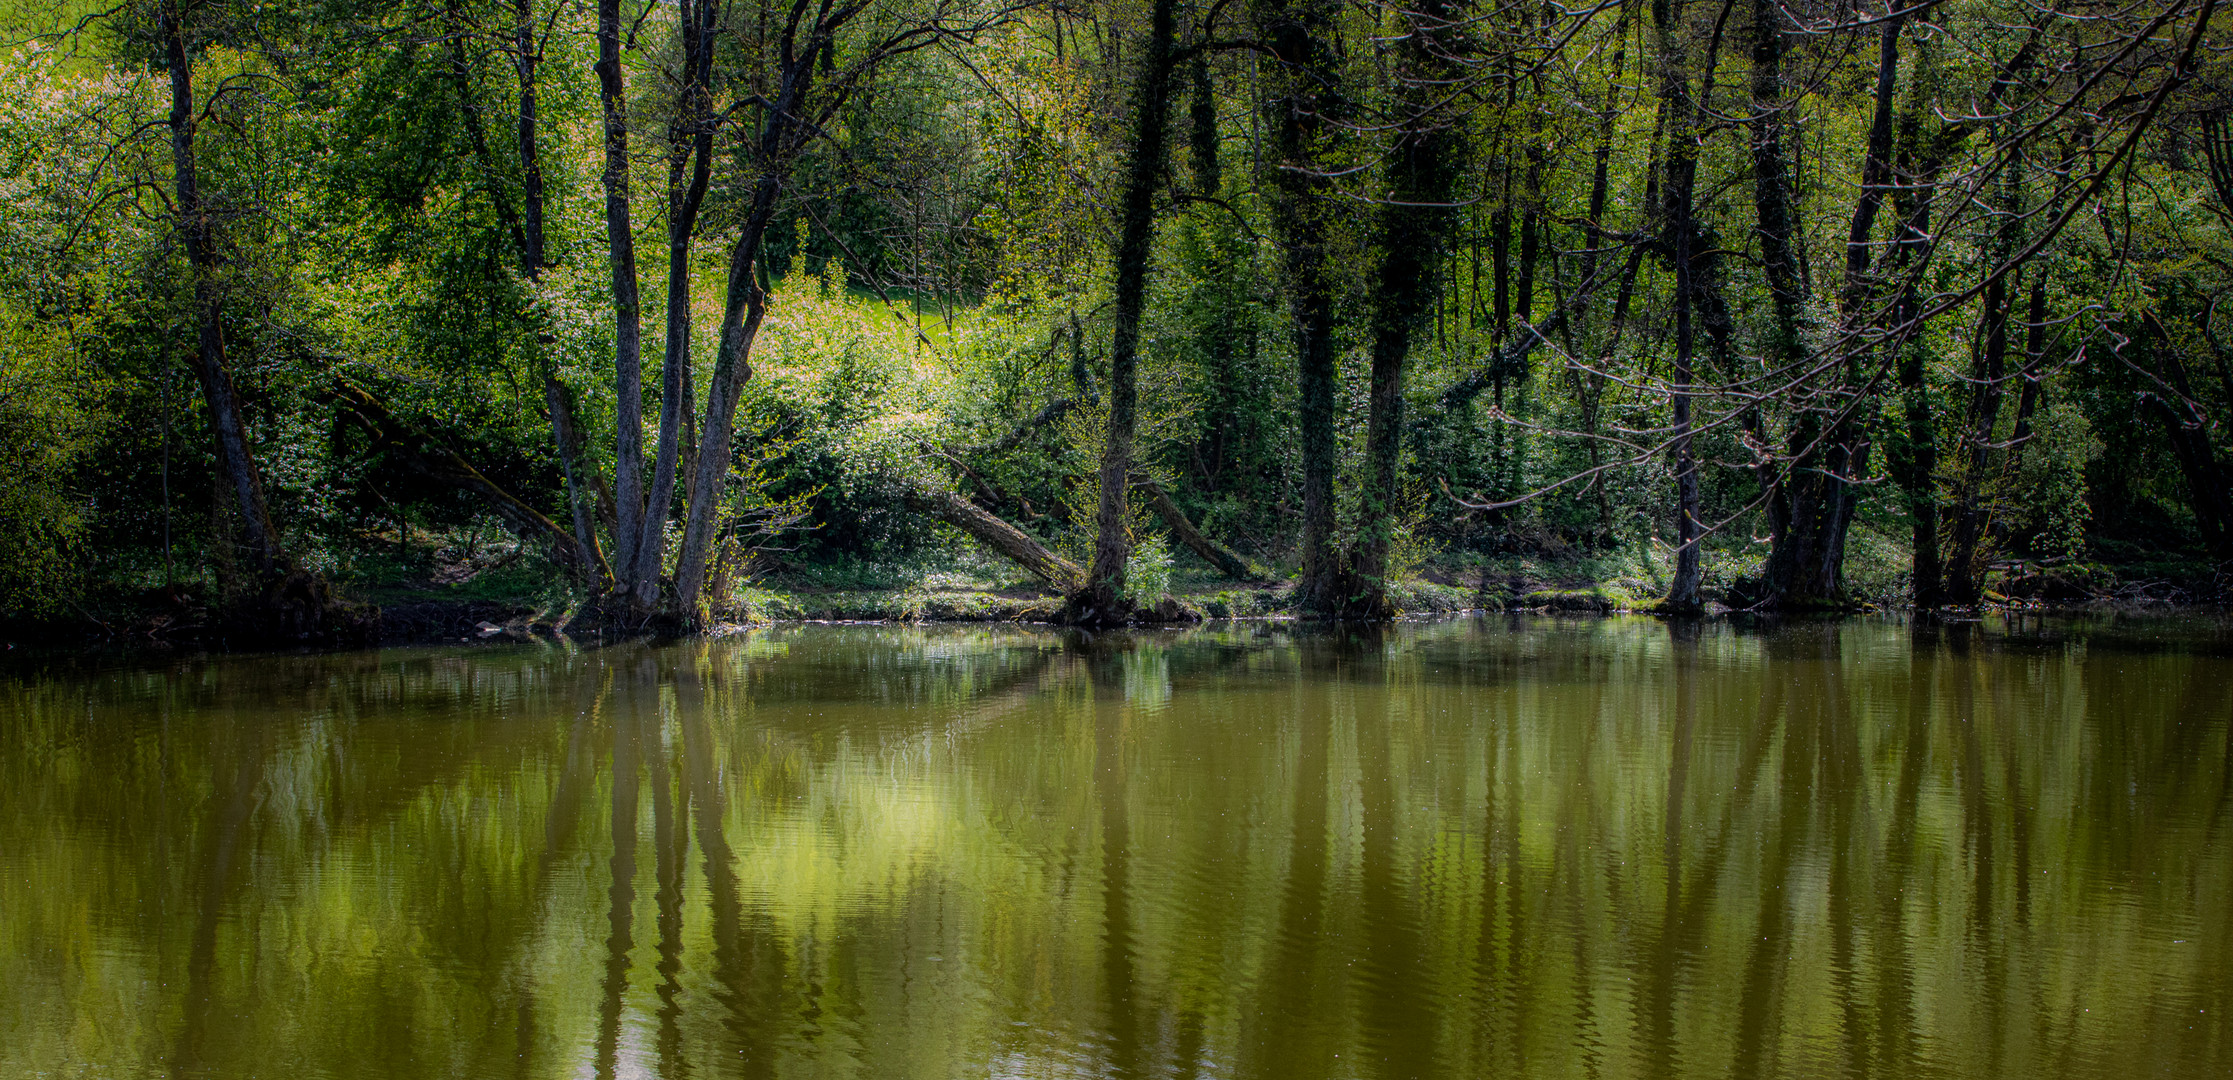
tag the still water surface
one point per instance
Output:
(1511, 847)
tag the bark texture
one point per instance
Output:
(1681, 241)
(1100, 601)
(1302, 84)
(628, 451)
(1429, 157)
(689, 172)
(1826, 450)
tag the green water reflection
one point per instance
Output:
(1503, 848)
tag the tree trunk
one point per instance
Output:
(689, 170)
(1988, 370)
(1914, 463)
(2035, 353)
(1777, 223)
(1826, 449)
(1415, 223)
(1589, 385)
(1101, 600)
(526, 57)
(1500, 255)
(1914, 455)
(1303, 82)
(559, 400)
(628, 389)
(741, 312)
(732, 366)
(1775, 208)
(527, 232)
(1532, 229)
(236, 464)
(1681, 242)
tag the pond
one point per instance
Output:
(1509, 846)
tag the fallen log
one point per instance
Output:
(1060, 573)
(415, 449)
(1227, 562)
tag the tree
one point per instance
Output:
(281, 601)
(1425, 162)
(1101, 601)
(1304, 107)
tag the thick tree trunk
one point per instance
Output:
(526, 58)
(1303, 78)
(1202, 141)
(1101, 600)
(1415, 224)
(689, 170)
(1963, 575)
(1826, 449)
(628, 389)
(1806, 492)
(1914, 464)
(1775, 207)
(1681, 242)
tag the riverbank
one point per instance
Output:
(516, 603)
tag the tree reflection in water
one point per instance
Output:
(1518, 847)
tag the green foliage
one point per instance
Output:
(836, 416)
(2048, 491)
(1147, 573)
(49, 420)
(939, 275)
